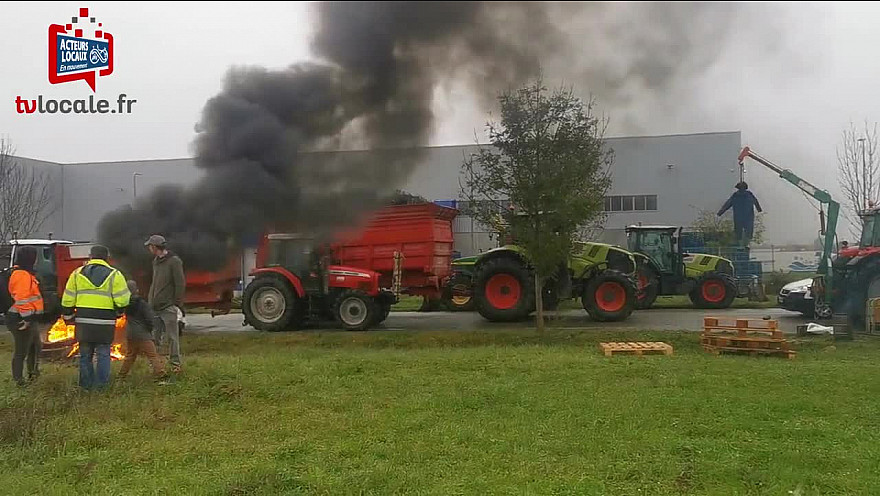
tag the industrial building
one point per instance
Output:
(656, 180)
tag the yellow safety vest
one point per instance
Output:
(95, 305)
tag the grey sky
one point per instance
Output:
(789, 76)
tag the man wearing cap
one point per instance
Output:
(96, 294)
(166, 294)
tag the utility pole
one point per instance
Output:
(134, 184)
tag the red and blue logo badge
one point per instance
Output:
(79, 50)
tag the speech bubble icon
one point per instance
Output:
(88, 76)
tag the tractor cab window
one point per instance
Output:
(294, 255)
(5, 256)
(658, 246)
(870, 231)
(44, 267)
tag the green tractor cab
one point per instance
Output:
(601, 275)
(664, 269)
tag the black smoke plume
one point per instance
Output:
(260, 140)
(263, 141)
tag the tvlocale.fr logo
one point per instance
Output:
(81, 50)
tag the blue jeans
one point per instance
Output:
(87, 379)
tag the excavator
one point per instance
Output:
(845, 284)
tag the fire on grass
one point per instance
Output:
(62, 332)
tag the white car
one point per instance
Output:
(797, 297)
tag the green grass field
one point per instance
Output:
(453, 413)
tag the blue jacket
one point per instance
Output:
(743, 203)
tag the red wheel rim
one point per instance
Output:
(643, 283)
(503, 291)
(714, 291)
(610, 296)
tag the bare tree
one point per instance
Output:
(26, 199)
(859, 171)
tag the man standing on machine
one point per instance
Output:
(744, 204)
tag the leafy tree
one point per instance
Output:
(546, 175)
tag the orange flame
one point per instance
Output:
(62, 331)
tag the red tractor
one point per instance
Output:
(355, 279)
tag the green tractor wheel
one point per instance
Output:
(649, 288)
(714, 291)
(609, 297)
(504, 290)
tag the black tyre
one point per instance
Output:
(356, 311)
(504, 290)
(609, 297)
(867, 287)
(714, 291)
(459, 284)
(551, 298)
(269, 304)
(382, 314)
(649, 288)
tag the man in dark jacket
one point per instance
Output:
(744, 204)
(167, 295)
(140, 321)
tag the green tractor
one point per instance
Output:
(602, 276)
(663, 270)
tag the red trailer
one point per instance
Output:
(355, 279)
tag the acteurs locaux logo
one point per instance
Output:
(81, 50)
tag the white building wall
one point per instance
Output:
(702, 174)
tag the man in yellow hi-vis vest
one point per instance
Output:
(95, 295)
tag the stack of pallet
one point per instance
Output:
(745, 336)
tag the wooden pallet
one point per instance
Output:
(717, 326)
(718, 350)
(748, 343)
(744, 333)
(637, 348)
(737, 323)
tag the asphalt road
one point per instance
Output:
(656, 319)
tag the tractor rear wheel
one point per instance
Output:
(269, 304)
(714, 291)
(649, 288)
(868, 286)
(504, 290)
(356, 311)
(609, 297)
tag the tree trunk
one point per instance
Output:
(539, 304)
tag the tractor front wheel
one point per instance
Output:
(356, 311)
(713, 291)
(504, 290)
(609, 297)
(269, 304)
(459, 303)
